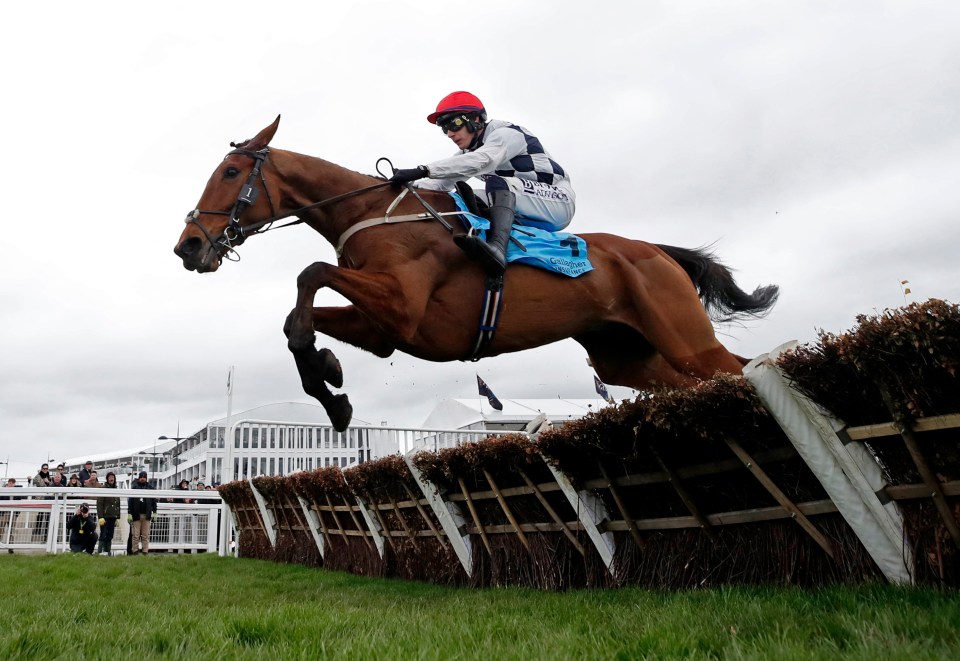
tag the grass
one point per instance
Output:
(206, 607)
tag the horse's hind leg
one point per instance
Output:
(667, 311)
(623, 357)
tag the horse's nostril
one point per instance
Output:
(187, 247)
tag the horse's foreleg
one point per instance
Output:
(320, 362)
(348, 325)
(375, 296)
(299, 324)
(318, 367)
(338, 407)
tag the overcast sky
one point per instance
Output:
(817, 145)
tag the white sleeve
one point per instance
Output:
(436, 184)
(498, 148)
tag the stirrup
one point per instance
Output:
(469, 242)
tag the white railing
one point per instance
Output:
(413, 438)
(35, 519)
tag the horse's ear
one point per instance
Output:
(263, 138)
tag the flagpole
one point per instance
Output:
(228, 460)
(227, 474)
(480, 400)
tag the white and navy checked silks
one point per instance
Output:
(533, 163)
(504, 150)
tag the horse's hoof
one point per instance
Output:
(340, 412)
(330, 368)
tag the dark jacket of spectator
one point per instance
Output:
(141, 504)
(184, 486)
(84, 475)
(107, 507)
(83, 533)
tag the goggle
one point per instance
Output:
(452, 123)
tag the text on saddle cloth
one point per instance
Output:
(559, 252)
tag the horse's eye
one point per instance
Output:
(230, 173)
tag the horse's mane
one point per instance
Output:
(243, 143)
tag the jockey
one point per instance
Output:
(522, 182)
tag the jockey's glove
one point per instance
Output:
(405, 176)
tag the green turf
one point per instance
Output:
(205, 607)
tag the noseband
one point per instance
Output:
(234, 234)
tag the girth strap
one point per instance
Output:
(489, 317)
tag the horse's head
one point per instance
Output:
(230, 205)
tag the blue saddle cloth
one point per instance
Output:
(559, 252)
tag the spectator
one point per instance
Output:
(73, 483)
(63, 476)
(204, 501)
(140, 511)
(6, 517)
(92, 480)
(42, 478)
(57, 480)
(108, 509)
(85, 472)
(83, 531)
(184, 486)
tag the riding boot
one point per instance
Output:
(492, 253)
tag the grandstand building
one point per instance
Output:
(284, 438)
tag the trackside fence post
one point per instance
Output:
(451, 519)
(266, 514)
(849, 474)
(313, 523)
(591, 512)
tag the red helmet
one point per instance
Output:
(455, 102)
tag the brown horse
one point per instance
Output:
(638, 314)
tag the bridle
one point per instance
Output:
(234, 234)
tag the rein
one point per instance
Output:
(234, 234)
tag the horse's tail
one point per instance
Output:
(719, 293)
